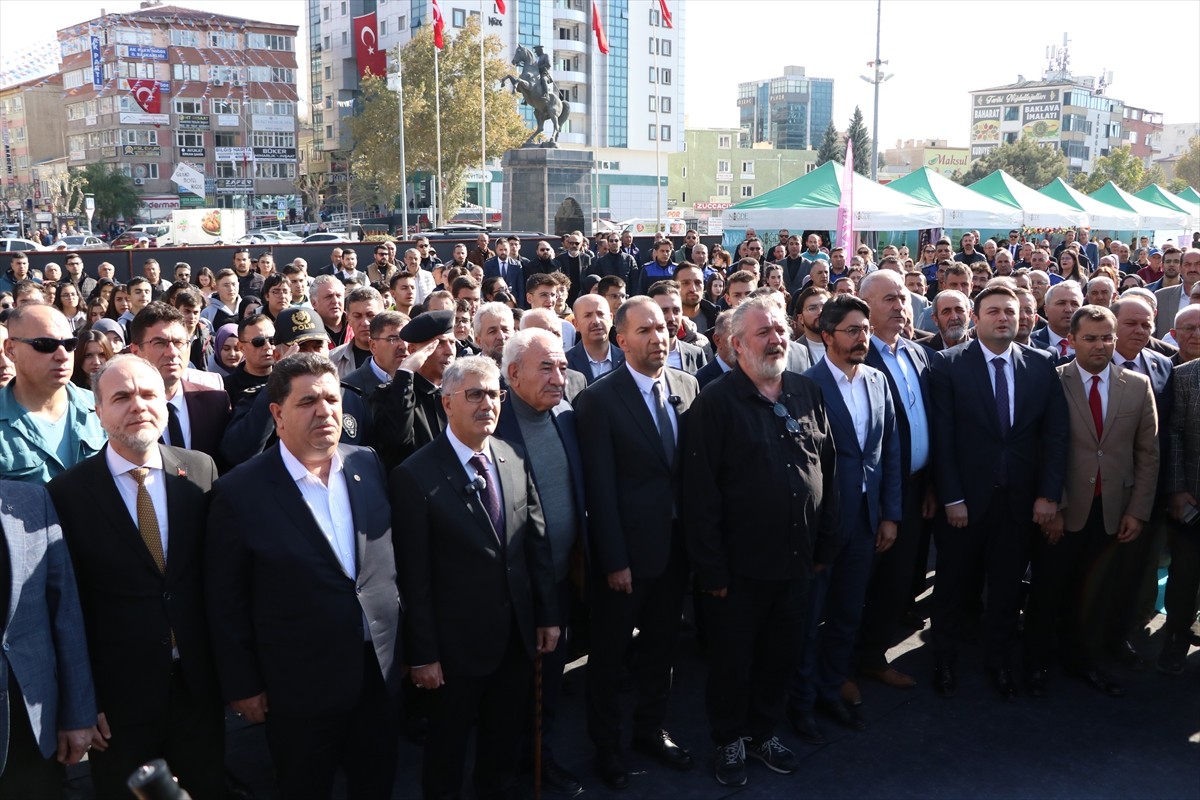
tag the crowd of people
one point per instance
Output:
(360, 502)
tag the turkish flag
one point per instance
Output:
(666, 14)
(439, 27)
(500, 7)
(145, 92)
(598, 27)
(367, 52)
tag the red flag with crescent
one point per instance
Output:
(500, 7)
(666, 14)
(439, 27)
(367, 51)
(598, 27)
(146, 94)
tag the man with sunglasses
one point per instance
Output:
(47, 424)
(256, 333)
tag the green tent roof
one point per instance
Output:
(818, 189)
(1160, 197)
(1152, 215)
(1102, 215)
(961, 208)
(1040, 210)
(1190, 194)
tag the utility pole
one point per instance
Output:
(877, 78)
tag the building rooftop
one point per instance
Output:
(194, 16)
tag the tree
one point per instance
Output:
(1120, 166)
(1188, 166)
(113, 190)
(829, 150)
(1030, 163)
(857, 133)
(1152, 175)
(376, 153)
(1177, 185)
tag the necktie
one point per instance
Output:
(490, 497)
(665, 431)
(1097, 417)
(1062, 348)
(147, 519)
(1002, 414)
(174, 429)
(1130, 365)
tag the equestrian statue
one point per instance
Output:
(537, 88)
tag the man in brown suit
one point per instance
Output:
(1112, 470)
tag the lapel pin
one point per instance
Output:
(181, 472)
(357, 478)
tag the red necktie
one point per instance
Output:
(1062, 348)
(1097, 417)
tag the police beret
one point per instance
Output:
(428, 326)
(298, 324)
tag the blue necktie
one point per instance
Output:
(1002, 413)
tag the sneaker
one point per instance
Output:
(776, 757)
(731, 763)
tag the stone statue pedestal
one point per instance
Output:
(548, 190)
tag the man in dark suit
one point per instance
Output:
(905, 366)
(680, 354)
(594, 355)
(197, 415)
(477, 574)
(502, 266)
(1062, 301)
(1000, 407)
(638, 559)
(138, 547)
(300, 580)
(335, 263)
(46, 697)
(574, 262)
(724, 356)
(1182, 487)
(862, 422)
(753, 561)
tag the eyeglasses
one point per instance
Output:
(855, 331)
(789, 422)
(1107, 338)
(1187, 330)
(475, 396)
(863, 252)
(159, 343)
(392, 340)
(257, 341)
(47, 345)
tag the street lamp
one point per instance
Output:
(876, 79)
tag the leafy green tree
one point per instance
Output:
(376, 158)
(829, 150)
(1120, 166)
(857, 133)
(1177, 185)
(115, 194)
(1153, 174)
(1032, 164)
(1188, 166)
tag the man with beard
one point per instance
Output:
(699, 310)
(1172, 260)
(614, 262)
(862, 422)
(573, 262)
(808, 307)
(795, 265)
(480, 255)
(690, 240)
(680, 354)
(329, 301)
(753, 561)
(952, 311)
(1171, 298)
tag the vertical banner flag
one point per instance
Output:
(439, 27)
(845, 218)
(500, 7)
(147, 95)
(367, 52)
(97, 63)
(666, 14)
(598, 27)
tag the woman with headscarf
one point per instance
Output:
(227, 352)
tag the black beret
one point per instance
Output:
(428, 326)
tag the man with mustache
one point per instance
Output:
(753, 561)
(863, 421)
(951, 309)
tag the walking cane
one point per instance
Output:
(537, 727)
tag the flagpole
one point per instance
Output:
(657, 136)
(403, 167)
(437, 112)
(482, 124)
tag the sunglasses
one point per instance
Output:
(257, 341)
(47, 345)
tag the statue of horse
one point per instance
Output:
(537, 89)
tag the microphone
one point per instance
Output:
(675, 400)
(476, 486)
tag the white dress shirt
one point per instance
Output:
(1054, 340)
(128, 488)
(645, 385)
(465, 454)
(185, 420)
(600, 367)
(1006, 356)
(330, 506)
(857, 400)
(1102, 388)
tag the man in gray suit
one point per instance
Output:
(1173, 298)
(47, 706)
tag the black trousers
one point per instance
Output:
(753, 644)
(187, 731)
(495, 705)
(27, 773)
(890, 591)
(654, 608)
(997, 544)
(1073, 604)
(1183, 578)
(360, 741)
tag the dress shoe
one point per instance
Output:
(804, 723)
(850, 693)
(556, 778)
(890, 676)
(844, 714)
(944, 680)
(1174, 653)
(1100, 682)
(665, 750)
(1003, 681)
(1035, 682)
(914, 620)
(1128, 656)
(611, 769)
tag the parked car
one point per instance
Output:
(130, 239)
(79, 242)
(324, 237)
(14, 243)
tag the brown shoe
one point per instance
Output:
(891, 677)
(850, 693)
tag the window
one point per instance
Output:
(223, 106)
(225, 140)
(222, 40)
(665, 134)
(189, 139)
(18, 133)
(227, 169)
(272, 139)
(328, 131)
(723, 165)
(1010, 137)
(747, 191)
(664, 47)
(722, 190)
(652, 104)
(654, 17)
(269, 41)
(285, 108)
(188, 105)
(383, 27)
(329, 101)
(809, 168)
(1012, 113)
(653, 45)
(653, 77)
(401, 22)
(343, 8)
(345, 38)
(664, 76)
(747, 167)
(285, 171)
(185, 72)
(653, 133)
(684, 175)
(724, 142)
(22, 162)
(138, 137)
(180, 38)
(77, 78)
(127, 36)
(664, 105)
(329, 73)
(325, 14)
(458, 17)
